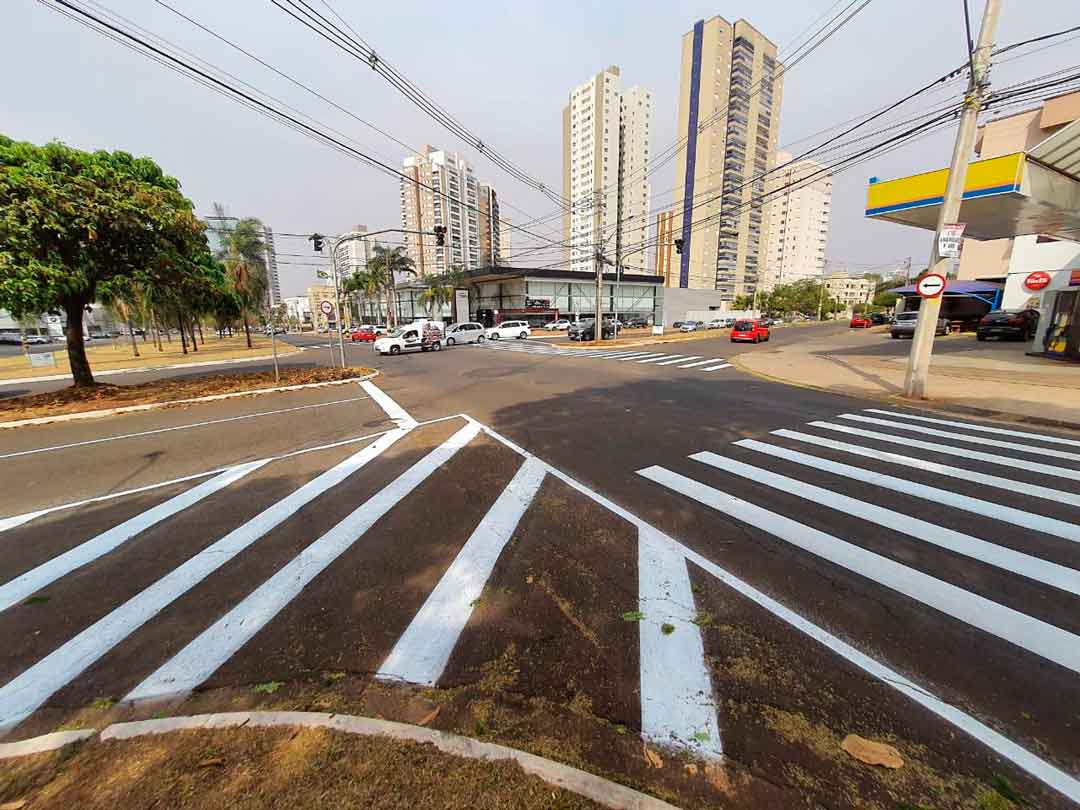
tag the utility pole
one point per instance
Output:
(922, 344)
(598, 326)
(821, 292)
(337, 301)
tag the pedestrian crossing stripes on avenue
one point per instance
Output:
(691, 361)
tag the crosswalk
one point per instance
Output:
(696, 362)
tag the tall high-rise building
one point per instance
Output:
(352, 255)
(665, 248)
(445, 193)
(490, 230)
(506, 251)
(798, 210)
(273, 286)
(729, 114)
(605, 171)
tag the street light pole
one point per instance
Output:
(337, 301)
(922, 344)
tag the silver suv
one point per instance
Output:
(904, 325)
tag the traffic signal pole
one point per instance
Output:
(922, 344)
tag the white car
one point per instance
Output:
(509, 329)
(469, 332)
(410, 338)
(560, 325)
(690, 326)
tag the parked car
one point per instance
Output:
(715, 323)
(879, 318)
(363, 334)
(510, 329)
(468, 332)
(1017, 324)
(677, 325)
(586, 330)
(749, 330)
(860, 322)
(637, 323)
(560, 325)
(410, 338)
(904, 325)
(766, 322)
(38, 340)
(690, 326)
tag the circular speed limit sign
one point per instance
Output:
(327, 308)
(931, 285)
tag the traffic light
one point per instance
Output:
(440, 235)
(678, 246)
(316, 240)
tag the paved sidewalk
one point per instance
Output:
(991, 376)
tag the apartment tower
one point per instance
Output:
(273, 278)
(490, 226)
(798, 210)
(729, 116)
(606, 134)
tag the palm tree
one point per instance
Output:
(368, 284)
(439, 290)
(243, 253)
(390, 264)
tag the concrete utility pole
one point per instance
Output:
(337, 301)
(922, 344)
(598, 330)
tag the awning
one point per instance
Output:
(1061, 151)
(957, 288)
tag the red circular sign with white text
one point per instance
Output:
(1036, 281)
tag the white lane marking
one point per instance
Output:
(421, 653)
(663, 357)
(677, 701)
(201, 657)
(948, 434)
(177, 427)
(1048, 773)
(29, 583)
(962, 473)
(1057, 576)
(21, 696)
(717, 368)
(398, 415)
(700, 363)
(1042, 437)
(642, 356)
(994, 511)
(680, 360)
(1026, 632)
(989, 458)
(630, 355)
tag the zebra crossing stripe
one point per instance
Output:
(633, 355)
(643, 356)
(717, 368)
(962, 473)
(680, 360)
(989, 458)
(677, 702)
(661, 357)
(29, 583)
(946, 434)
(1048, 573)
(1034, 635)
(1042, 437)
(699, 363)
(994, 511)
(214, 646)
(421, 653)
(21, 696)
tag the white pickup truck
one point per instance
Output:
(423, 336)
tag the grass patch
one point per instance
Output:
(103, 703)
(267, 688)
(667, 629)
(37, 600)
(633, 616)
(703, 618)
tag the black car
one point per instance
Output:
(878, 318)
(1016, 324)
(586, 330)
(637, 323)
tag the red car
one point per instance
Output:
(861, 322)
(363, 334)
(751, 331)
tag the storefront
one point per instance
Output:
(1058, 335)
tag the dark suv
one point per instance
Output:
(586, 330)
(1018, 324)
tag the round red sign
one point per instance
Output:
(1037, 280)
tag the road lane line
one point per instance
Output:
(1007, 484)
(398, 415)
(1026, 632)
(677, 701)
(663, 357)
(1042, 437)
(946, 434)
(680, 360)
(994, 511)
(29, 583)
(201, 657)
(643, 356)
(700, 363)
(717, 368)
(629, 355)
(1048, 573)
(989, 458)
(421, 653)
(22, 695)
(178, 427)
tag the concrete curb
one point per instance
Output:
(70, 417)
(598, 789)
(46, 742)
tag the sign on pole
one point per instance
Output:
(931, 285)
(950, 240)
(327, 308)
(41, 359)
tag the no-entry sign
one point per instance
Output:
(931, 285)
(1037, 280)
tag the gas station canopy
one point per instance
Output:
(1033, 192)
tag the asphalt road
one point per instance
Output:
(642, 540)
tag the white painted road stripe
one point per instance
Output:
(632, 355)
(994, 511)
(677, 702)
(700, 363)
(1048, 573)
(662, 357)
(1052, 643)
(680, 360)
(962, 473)
(25, 693)
(29, 583)
(214, 646)
(398, 415)
(989, 458)
(177, 427)
(420, 655)
(717, 368)
(980, 440)
(1042, 437)
(643, 356)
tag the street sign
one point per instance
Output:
(950, 240)
(326, 308)
(1037, 280)
(931, 285)
(42, 359)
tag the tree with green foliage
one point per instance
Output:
(439, 289)
(381, 277)
(75, 225)
(243, 252)
(885, 299)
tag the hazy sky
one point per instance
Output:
(503, 70)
